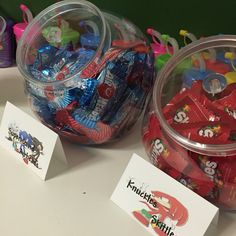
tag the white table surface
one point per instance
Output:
(77, 201)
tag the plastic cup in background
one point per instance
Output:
(6, 42)
(19, 28)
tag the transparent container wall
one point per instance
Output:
(189, 125)
(197, 99)
(87, 73)
(62, 27)
(201, 66)
(122, 28)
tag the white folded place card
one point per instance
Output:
(31, 142)
(161, 204)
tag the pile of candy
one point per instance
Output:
(105, 96)
(199, 103)
(195, 116)
(203, 111)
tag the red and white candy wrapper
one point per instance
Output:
(222, 113)
(194, 180)
(227, 104)
(217, 169)
(197, 89)
(185, 108)
(151, 132)
(159, 149)
(228, 101)
(205, 185)
(221, 108)
(95, 67)
(206, 132)
(222, 172)
(200, 94)
(100, 134)
(152, 139)
(193, 177)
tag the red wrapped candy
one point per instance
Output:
(194, 180)
(185, 108)
(228, 104)
(161, 153)
(205, 132)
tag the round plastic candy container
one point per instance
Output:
(87, 73)
(189, 128)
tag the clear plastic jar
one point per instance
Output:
(87, 73)
(189, 124)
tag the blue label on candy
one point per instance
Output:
(56, 64)
(86, 118)
(85, 91)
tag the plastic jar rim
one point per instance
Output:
(218, 41)
(33, 23)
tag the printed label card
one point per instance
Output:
(31, 142)
(161, 204)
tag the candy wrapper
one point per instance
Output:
(205, 132)
(185, 108)
(228, 104)
(161, 153)
(193, 180)
(221, 172)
